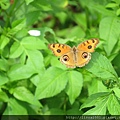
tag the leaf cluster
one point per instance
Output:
(34, 82)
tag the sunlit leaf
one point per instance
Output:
(75, 83)
(53, 82)
(101, 67)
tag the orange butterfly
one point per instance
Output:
(77, 56)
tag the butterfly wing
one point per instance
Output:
(59, 49)
(84, 50)
(82, 58)
(88, 46)
(68, 59)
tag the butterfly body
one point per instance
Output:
(77, 56)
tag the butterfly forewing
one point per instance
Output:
(59, 49)
(88, 45)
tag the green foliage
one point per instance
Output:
(32, 79)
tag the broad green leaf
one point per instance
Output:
(36, 78)
(16, 50)
(14, 107)
(4, 4)
(32, 17)
(99, 100)
(34, 64)
(59, 3)
(3, 41)
(118, 12)
(109, 31)
(3, 78)
(98, 6)
(100, 109)
(56, 63)
(18, 72)
(23, 58)
(21, 33)
(75, 83)
(4, 65)
(42, 5)
(80, 19)
(3, 96)
(55, 111)
(19, 92)
(74, 111)
(28, 1)
(101, 67)
(95, 99)
(117, 92)
(96, 86)
(17, 25)
(53, 82)
(112, 5)
(113, 105)
(33, 43)
(65, 40)
(35, 60)
(69, 33)
(44, 30)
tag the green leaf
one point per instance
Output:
(3, 78)
(35, 60)
(3, 41)
(53, 82)
(101, 67)
(109, 31)
(15, 108)
(28, 1)
(44, 30)
(96, 86)
(75, 83)
(32, 17)
(34, 64)
(3, 96)
(56, 63)
(17, 25)
(4, 65)
(113, 105)
(99, 100)
(69, 33)
(4, 4)
(118, 12)
(55, 111)
(80, 19)
(98, 6)
(117, 92)
(59, 3)
(99, 110)
(19, 92)
(74, 111)
(43, 5)
(36, 78)
(18, 72)
(33, 43)
(95, 99)
(16, 50)
(112, 5)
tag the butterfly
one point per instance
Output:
(77, 56)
